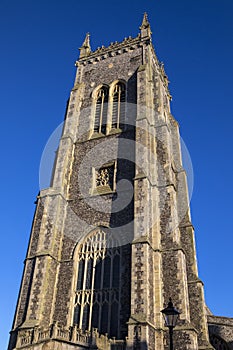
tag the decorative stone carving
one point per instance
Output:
(104, 177)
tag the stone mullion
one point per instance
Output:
(101, 113)
(92, 290)
(74, 293)
(118, 109)
(83, 288)
(109, 113)
(120, 292)
(110, 295)
(101, 293)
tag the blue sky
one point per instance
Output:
(39, 45)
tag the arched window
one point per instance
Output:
(101, 110)
(97, 302)
(118, 109)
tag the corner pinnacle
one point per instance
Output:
(85, 49)
(145, 27)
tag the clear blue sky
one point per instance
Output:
(39, 45)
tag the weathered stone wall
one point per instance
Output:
(221, 332)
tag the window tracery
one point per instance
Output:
(116, 108)
(98, 288)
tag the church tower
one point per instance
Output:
(112, 239)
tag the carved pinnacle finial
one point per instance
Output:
(145, 27)
(145, 22)
(85, 49)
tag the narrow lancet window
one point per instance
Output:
(101, 110)
(118, 110)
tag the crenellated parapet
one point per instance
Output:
(114, 49)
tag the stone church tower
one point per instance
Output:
(112, 238)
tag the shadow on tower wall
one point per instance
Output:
(139, 346)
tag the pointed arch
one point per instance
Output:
(98, 283)
(101, 109)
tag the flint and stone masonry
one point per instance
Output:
(112, 238)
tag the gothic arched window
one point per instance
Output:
(101, 109)
(97, 301)
(118, 109)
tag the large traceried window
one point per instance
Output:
(101, 110)
(97, 301)
(118, 108)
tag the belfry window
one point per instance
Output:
(118, 109)
(98, 285)
(101, 109)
